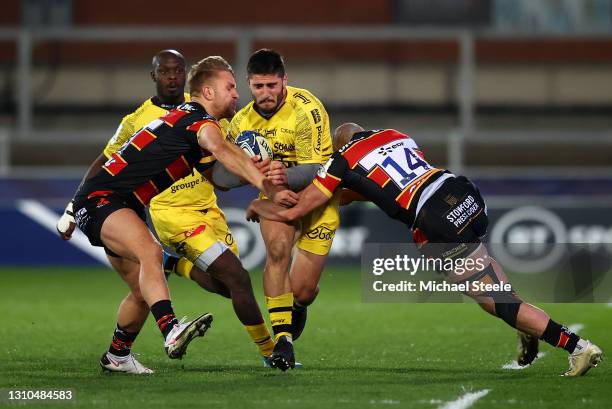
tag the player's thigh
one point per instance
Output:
(318, 229)
(221, 230)
(129, 271)
(306, 271)
(127, 235)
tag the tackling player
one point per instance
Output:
(153, 158)
(296, 126)
(387, 168)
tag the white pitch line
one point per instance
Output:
(47, 219)
(515, 366)
(576, 327)
(465, 401)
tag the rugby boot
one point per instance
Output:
(182, 334)
(283, 357)
(528, 348)
(125, 364)
(581, 360)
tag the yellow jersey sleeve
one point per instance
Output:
(313, 142)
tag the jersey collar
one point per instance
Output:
(158, 102)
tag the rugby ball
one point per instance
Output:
(254, 144)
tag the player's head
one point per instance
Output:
(211, 81)
(267, 80)
(344, 133)
(168, 73)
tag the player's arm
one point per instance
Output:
(225, 180)
(296, 177)
(66, 224)
(310, 199)
(349, 196)
(237, 162)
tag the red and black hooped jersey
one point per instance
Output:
(385, 166)
(156, 156)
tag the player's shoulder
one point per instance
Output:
(145, 106)
(301, 97)
(243, 114)
(186, 115)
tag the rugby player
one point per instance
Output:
(387, 168)
(296, 126)
(151, 160)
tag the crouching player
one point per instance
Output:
(386, 167)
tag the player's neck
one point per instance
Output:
(169, 101)
(208, 106)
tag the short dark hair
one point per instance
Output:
(204, 70)
(266, 61)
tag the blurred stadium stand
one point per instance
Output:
(479, 83)
(516, 94)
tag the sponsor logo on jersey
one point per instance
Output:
(283, 147)
(384, 150)
(316, 116)
(269, 132)
(321, 233)
(289, 131)
(317, 145)
(302, 98)
(462, 212)
(188, 185)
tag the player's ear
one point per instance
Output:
(208, 92)
(285, 80)
(153, 76)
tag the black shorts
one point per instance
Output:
(452, 221)
(90, 212)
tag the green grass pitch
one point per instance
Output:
(57, 322)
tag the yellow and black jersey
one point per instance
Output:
(298, 132)
(149, 110)
(156, 156)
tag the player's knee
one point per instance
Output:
(135, 297)
(279, 251)
(151, 252)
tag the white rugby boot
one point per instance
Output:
(125, 364)
(182, 334)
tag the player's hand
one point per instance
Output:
(251, 213)
(280, 194)
(277, 173)
(263, 166)
(66, 224)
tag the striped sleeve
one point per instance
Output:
(329, 178)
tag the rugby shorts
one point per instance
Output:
(92, 210)
(190, 232)
(453, 220)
